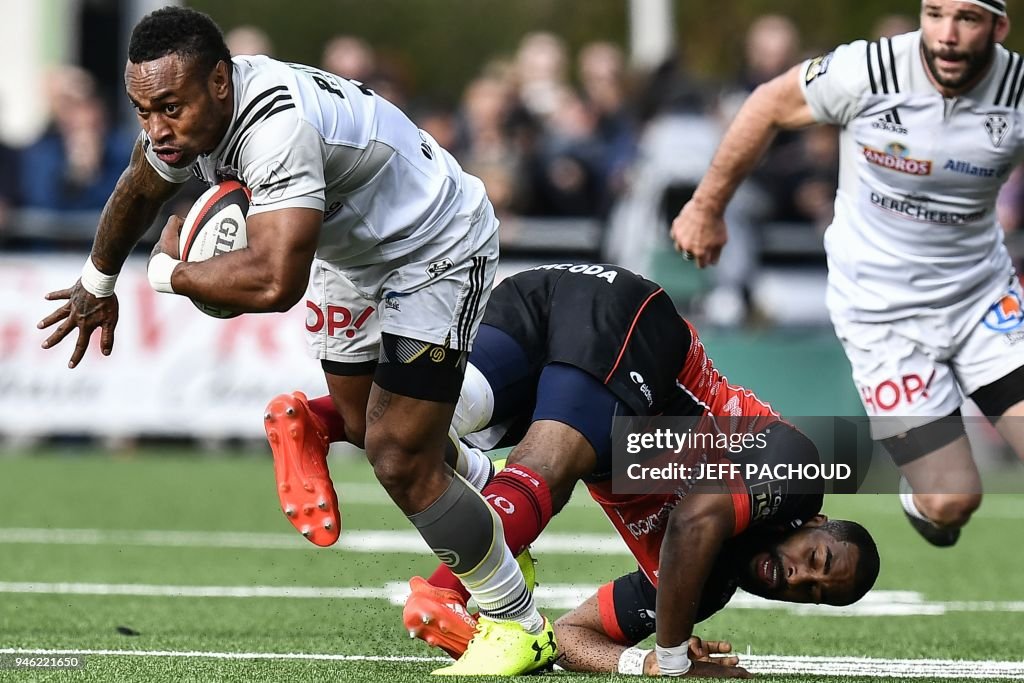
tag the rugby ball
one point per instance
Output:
(215, 225)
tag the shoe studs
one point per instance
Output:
(306, 531)
(322, 505)
(290, 511)
(328, 524)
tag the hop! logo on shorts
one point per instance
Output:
(1005, 315)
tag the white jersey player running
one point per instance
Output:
(921, 290)
(395, 249)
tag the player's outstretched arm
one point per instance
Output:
(694, 534)
(779, 104)
(91, 302)
(269, 274)
(586, 646)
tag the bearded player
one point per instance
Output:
(921, 289)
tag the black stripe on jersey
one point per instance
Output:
(896, 116)
(1014, 82)
(871, 72)
(279, 109)
(888, 117)
(1020, 86)
(892, 67)
(1006, 74)
(234, 150)
(252, 105)
(881, 68)
(255, 102)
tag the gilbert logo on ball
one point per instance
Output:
(215, 225)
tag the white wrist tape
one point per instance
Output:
(674, 661)
(631, 661)
(160, 268)
(97, 283)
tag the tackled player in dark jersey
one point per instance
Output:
(563, 351)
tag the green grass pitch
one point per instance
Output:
(81, 531)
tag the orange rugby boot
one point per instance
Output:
(439, 617)
(299, 442)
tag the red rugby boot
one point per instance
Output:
(298, 439)
(439, 617)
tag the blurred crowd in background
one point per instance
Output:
(552, 134)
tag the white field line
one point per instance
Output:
(223, 655)
(771, 664)
(877, 603)
(151, 590)
(367, 493)
(885, 668)
(354, 541)
(994, 506)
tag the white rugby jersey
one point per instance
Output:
(915, 224)
(302, 137)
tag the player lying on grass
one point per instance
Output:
(562, 351)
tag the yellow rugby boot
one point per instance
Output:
(504, 648)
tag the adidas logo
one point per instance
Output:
(890, 122)
(461, 612)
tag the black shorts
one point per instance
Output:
(627, 605)
(613, 324)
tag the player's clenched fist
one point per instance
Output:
(699, 234)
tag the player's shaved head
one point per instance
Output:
(181, 31)
(833, 562)
(868, 562)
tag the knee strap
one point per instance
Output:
(920, 441)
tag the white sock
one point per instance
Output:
(472, 465)
(907, 501)
(503, 596)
